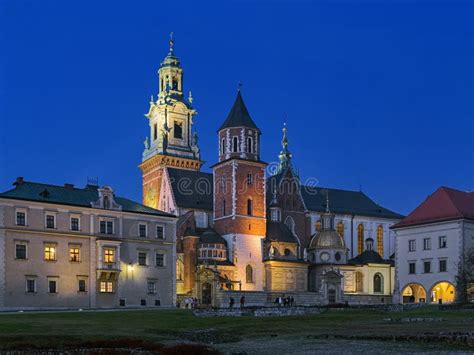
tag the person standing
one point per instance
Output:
(231, 303)
(242, 302)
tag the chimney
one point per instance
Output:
(19, 181)
(68, 186)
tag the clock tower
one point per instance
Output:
(172, 141)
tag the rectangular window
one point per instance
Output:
(427, 244)
(155, 131)
(143, 302)
(412, 268)
(249, 179)
(20, 251)
(52, 286)
(442, 266)
(109, 255)
(443, 242)
(151, 287)
(74, 223)
(235, 144)
(160, 259)
(106, 227)
(21, 218)
(74, 253)
(81, 285)
(106, 287)
(142, 230)
(142, 259)
(412, 245)
(50, 252)
(50, 221)
(30, 286)
(178, 130)
(160, 232)
(427, 267)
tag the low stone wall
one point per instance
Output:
(263, 298)
(257, 311)
(366, 299)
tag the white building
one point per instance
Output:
(434, 247)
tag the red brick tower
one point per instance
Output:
(239, 194)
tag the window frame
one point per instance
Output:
(443, 262)
(53, 250)
(106, 222)
(425, 263)
(412, 245)
(442, 242)
(140, 255)
(108, 256)
(140, 225)
(250, 145)
(21, 243)
(410, 264)
(177, 123)
(49, 214)
(74, 246)
(30, 279)
(106, 288)
(163, 259)
(427, 243)
(71, 218)
(25, 213)
(235, 144)
(162, 226)
(79, 281)
(56, 285)
(151, 291)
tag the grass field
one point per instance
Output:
(163, 330)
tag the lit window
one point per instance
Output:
(427, 267)
(380, 240)
(412, 245)
(106, 287)
(340, 229)
(81, 285)
(109, 255)
(160, 232)
(74, 253)
(74, 223)
(20, 251)
(151, 287)
(427, 244)
(30, 285)
(21, 218)
(412, 268)
(442, 266)
(50, 252)
(50, 221)
(160, 259)
(142, 230)
(443, 243)
(360, 238)
(142, 259)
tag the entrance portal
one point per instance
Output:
(442, 292)
(332, 296)
(206, 293)
(413, 293)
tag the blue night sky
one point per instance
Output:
(377, 94)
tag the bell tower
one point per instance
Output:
(172, 141)
(239, 194)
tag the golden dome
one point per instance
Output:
(327, 239)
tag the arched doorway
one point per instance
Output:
(206, 293)
(443, 292)
(413, 293)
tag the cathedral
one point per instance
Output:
(243, 230)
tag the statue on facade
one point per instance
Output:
(272, 251)
(195, 147)
(146, 143)
(165, 132)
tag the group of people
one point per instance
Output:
(285, 301)
(191, 302)
(232, 302)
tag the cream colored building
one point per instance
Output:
(63, 247)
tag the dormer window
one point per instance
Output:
(106, 203)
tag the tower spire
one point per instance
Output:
(171, 42)
(285, 155)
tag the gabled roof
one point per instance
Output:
(239, 115)
(344, 202)
(71, 196)
(369, 257)
(192, 189)
(443, 205)
(279, 232)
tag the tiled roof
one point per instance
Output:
(210, 236)
(72, 196)
(279, 232)
(239, 115)
(443, 205)
(344, 202)
(192, 189)
(369, 257)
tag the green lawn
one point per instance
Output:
(149, 329)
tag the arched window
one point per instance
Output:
(175, 84)
(287, 252)
(360, 238)
(380, 240)
(223, 146)
(106, 202)
(249, 207)
(249, 145)
(235, 144)
(318, 225)
(290, 223)
(359, 282)
(340, 229)
(378, 283)
(249, 274)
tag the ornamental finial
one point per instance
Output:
(171, 42)
(190, 97)
(239, 85)
(327, 202)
